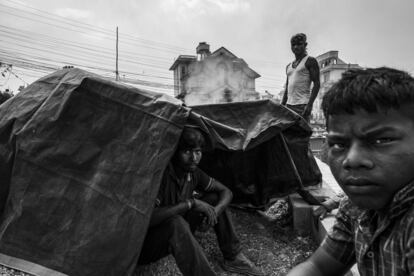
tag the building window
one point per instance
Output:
(325, 77)
(227, 96)
(182, 71)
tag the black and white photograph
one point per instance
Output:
(206, 138)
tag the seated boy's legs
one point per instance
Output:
(234, 260)
(227, 239)
(174, 236)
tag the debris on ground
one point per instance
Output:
(6, 271)
(267, 239)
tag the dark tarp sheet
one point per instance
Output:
(81, 159)
(254, 163)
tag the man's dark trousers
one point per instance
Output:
(299, 108)
(175, 236)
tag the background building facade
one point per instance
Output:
(209, 78)
(331, 70)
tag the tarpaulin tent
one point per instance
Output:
(255, 163)
(81, 159)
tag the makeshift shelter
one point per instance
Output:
(258, 142)
(81, 160)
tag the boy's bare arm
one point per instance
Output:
(313, 68)
(319, 264)
(285, 96)
(159, 214)
(224, 193)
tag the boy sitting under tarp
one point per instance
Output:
(177, 214)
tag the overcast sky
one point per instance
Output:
(48, 34)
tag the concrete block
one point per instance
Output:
(302, 215)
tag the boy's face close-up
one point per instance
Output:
(371, 155)
(188, 159)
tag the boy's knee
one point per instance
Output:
(180, 233)
(177, 224)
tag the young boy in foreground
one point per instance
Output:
(370, 123)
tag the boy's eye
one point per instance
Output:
(189, 151)
(383, 140)
(197, 152)
(336, 146)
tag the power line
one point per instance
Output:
(107, 32)
(85, 59)
(83, 45)
(93, 27)
(81, 54)
(17, 35)
(74, 26)
(11, 72)
(59, 64)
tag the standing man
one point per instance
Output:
(301, 73)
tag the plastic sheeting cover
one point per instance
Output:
(249, 156)
(81, 161)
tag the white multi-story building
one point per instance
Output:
(213, 77)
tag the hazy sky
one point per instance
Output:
(48, 34)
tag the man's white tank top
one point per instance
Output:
(299, 83)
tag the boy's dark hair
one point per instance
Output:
(369, 90)
(191, 138)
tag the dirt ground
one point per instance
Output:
(267, 239)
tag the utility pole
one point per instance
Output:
(116, 69)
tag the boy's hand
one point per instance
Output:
(207, 210)
(218, 210)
